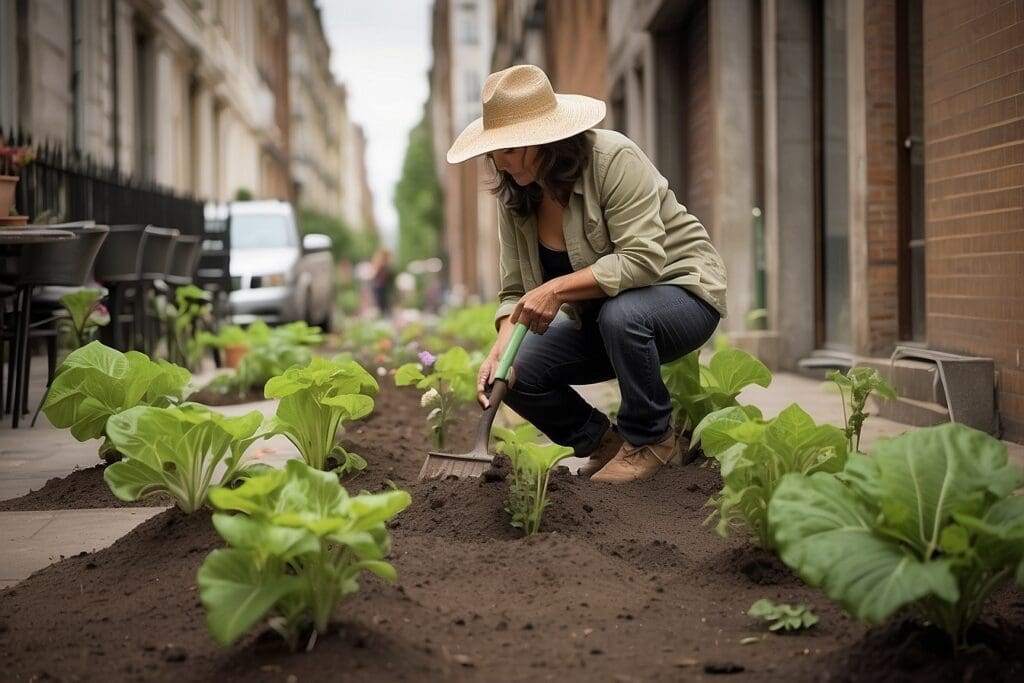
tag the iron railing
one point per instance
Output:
(58, 187)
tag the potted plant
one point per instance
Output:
(11, 158)
(233, 340)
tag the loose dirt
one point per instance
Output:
(625, 583)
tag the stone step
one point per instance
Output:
(914, 379)
(912, 412)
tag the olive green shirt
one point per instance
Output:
(623, 222)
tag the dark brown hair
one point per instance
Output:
(561, 164)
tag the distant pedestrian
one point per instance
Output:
(586, 222)
(382, 280)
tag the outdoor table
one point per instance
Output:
(11, 239)
(18, 236)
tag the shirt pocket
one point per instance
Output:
(596, 232)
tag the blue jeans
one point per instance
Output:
(626, 337)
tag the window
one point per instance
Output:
(469, 24)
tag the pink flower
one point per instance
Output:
(427, 358)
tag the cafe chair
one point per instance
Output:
(155, 260)
(118, 268)
(61, 264)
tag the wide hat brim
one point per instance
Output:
(573, 114)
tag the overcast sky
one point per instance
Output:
(380, 49)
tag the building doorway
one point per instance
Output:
(832, 300)
(910, 170)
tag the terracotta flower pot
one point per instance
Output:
(233, 354)
(13, 221)
(7, 185)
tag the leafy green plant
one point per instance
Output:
(228, 335)
(271, 352)
(315, 401)
(755, 454)
(83, 314)
(698, 390)
(928, 522)
(452, 380)
(97, 382)
(473, 326)
(192, 308)
(783, 617)
(855, 387)
(176, 450)
(531, 471)
(295, 552)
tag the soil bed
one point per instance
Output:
(624, 584)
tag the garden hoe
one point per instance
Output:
(473, 463)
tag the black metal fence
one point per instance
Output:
(57, 187)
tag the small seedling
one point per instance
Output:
(531, 471)
(855, 387)
(783, 617)
(451, 380)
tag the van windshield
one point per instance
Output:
(255, 231)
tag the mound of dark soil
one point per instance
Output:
(625, 583)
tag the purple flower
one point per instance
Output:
(427, 358)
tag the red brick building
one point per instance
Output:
(859, 164)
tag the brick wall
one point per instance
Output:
(882, 209)
(576, 45)
(974, 187)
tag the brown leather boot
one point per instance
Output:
(609, 445)
(637, 462)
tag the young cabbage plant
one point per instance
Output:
(928, 522)
(270, 353)
(97, 382)
(182, 314)
(699, 390)
(531, 470)
(176, 451)
(315, 401)
(783, 617)
(855, 387)
(452, 380)
(754, 455)
(295, 551)
(83, 314)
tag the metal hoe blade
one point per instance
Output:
(476, 461)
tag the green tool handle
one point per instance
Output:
(509, 355)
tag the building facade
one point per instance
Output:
(463, 41)
(210, 98)
(858, 163)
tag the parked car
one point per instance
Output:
(277, 274)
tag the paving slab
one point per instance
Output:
(33, 540)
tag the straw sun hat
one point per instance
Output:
(521, 109)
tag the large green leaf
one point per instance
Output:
(826, 534)
(1000, 535)
(804, 446)
(920, 479)
(263, 538)
(96, 382)
(735, 369)
(237, 593)
(174, 450)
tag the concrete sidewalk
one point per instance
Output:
(30, 456)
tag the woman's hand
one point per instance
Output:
(485, 377)
(538, 307)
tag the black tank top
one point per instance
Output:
(553, 263)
